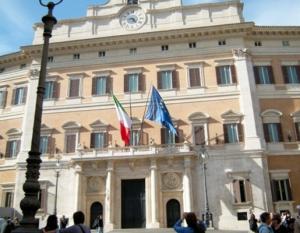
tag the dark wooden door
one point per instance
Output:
(96, 209)
(133, 204)
(173, 212)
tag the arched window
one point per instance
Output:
(173, 212)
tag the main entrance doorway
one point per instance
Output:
(133, 204)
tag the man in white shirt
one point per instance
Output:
(78, 226)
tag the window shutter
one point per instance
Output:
(106, 139)
(159, 81)
(280, 132)
(218, 73)
(3, 101)
(175, 80)
(297, 131)
(126, 83)
(273, 188)
(163, 135)
(94, 86)
(145, 138)
(199, 135)
(271, 74)
(13, 98)
(108, 85)
(179, 136)
(266, 132)
(288, 185)
(241, 132)
(194, 76)
(7, 152)
(92, 140)
(248, 190)
(24, 95)
(56, 90)
(236, 191)
(50, 145)
(141, 82)
(74, 87)
(18, 146)
(226, 140)
(256, 74)
(298, 72)
(71, 143)
(233, 74)
(285, 74)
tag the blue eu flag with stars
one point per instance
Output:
(158, 112)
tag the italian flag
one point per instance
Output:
(125, 121)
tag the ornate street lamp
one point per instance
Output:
(57, 171)
(207, 216)
(30, 203)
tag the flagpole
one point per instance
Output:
(143, 119)
(130, 112)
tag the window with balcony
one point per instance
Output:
(101, 85)
(72, 130)
(273, 132)
(169, 138)
(167, 80)
(135, 137)
(19, 95)
(70, 143)
(226, 75)
(291, 74)
(99, 140)
(263, 75)
(199, 135)
(134, 82)
(233, 133)
(281, 190)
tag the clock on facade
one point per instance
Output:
(132, 18)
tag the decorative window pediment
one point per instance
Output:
(99, 126)
(71, 125)
(238, 175)
(14, 133)
(46, 130)
(271, 116)
(199, 117)
(231, 117)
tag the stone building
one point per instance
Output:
(230, 86)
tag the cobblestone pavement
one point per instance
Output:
(166, 231)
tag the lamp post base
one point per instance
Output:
(28, 228)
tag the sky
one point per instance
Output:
(18, 16)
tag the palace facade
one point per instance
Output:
(231, 87)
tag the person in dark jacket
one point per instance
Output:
(253, 223)
(277, 225)
(192, 222)
(98, 223)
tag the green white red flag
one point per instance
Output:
(125, 121)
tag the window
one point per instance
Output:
(263, 75)
(99, 140)
(19, 95)
(74, 87)
(101, 54)
(50, 59)
(233, 133)
(8, 199)
(273, 132)
(134, 137)
(241, 190)
(164, 47)
(169, 138)
(199, 135)
(257, 43)
(222, 42)
(194, 77)
(44, 142)
(132, 2)
(192, 45)
(167, 79)
(12, 148)
(50, 90)
(101, 85)
(76, 56)
(285, 43)
(3, 94)
(132, 51)
(291, 74)
(281, 190)
(226, 75)
(70, 143)
(134, 83)
(22, 66)
(242, 216)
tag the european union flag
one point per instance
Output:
(158, 112)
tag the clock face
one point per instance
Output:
(133, 18)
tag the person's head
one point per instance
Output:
(266, 218)
(276, 219)
(51, 223)
(191, 219)
(78, 217)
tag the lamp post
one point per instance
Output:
(30, 203)
(57, 171)
(207, 216)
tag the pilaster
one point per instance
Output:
(154, 196)
(187, 186)
(109, 198)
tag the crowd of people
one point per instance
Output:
(275, 223)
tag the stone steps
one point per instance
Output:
(165, 230)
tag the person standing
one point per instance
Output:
(78, 226)
(192, 224)
(265, 219)
(253, 223)
(277, 225)
(297, 221)
(51, 226)
(63, 222)
(98, 223)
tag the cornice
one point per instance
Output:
(13, 58)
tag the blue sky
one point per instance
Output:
(18, 16)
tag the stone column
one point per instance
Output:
(154, 196)
(77, 188)
(109, 198)
(187, 186)
(249, 102)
